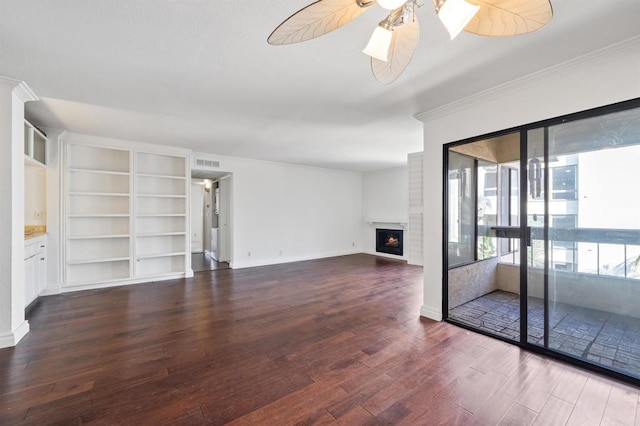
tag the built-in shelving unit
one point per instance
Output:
(125, 214)
(98, 214)
(160, 214)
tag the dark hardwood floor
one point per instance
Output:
(328, 341)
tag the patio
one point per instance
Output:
(601, 337)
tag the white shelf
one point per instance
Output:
(99, 215)
(160, 234)
(100, 194)
(92, 237)
(162, 275)
(160, 196)
(152, 175)
(101, 260)
(158, 255)
(91, 282)
(161, 215)
(105, 172)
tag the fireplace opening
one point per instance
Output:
(389, 241)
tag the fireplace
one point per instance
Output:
(389, 241)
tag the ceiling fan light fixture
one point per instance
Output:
(391, 4)
(380, 41)
(455, 15)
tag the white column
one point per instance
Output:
(13, 95)
(432, 230)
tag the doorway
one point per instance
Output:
(210, 221)
(543, 237)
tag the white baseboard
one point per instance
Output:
(117, 283)
(278, 260)
(427, 312)
(50, 290)
(11, 339)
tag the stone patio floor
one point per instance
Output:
(601, 337)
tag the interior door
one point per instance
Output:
(197, 219)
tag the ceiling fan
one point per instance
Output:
(395, 38)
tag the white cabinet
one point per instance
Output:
(35, 264)
(35, 145)
(125, 214)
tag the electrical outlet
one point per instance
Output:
(248, 254)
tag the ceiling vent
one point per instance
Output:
(203, 164)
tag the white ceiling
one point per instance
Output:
(200, 74)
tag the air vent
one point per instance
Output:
(203, 164)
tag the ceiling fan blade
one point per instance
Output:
(403, 45)
(317, 19)
(501, 18)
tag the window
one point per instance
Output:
(563, 183)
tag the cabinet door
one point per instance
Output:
(41, 266)
(29, 279)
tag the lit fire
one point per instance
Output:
(392, 242)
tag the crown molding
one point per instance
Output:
(604, 54)
(20, 88)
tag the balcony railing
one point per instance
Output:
(601, 251)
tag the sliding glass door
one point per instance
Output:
(543, 232)
(584, 267)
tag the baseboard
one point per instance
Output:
(11, 339)
(416, 262)
(430, 313)
(278, 260)
(118, 283)
(50, 291)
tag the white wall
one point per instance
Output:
(600, 78)
(284, 213)
(385, 199)
(35, 198)
(13, 95)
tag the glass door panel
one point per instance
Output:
(593, 238)
(583, 219)
(483, 280)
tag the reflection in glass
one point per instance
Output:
(461, 227)
(487, 205)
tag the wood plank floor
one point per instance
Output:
(327, 341)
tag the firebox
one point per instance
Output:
(389, 241)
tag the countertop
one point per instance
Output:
(34, 231)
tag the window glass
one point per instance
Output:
(487, 208)
(461, 204)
